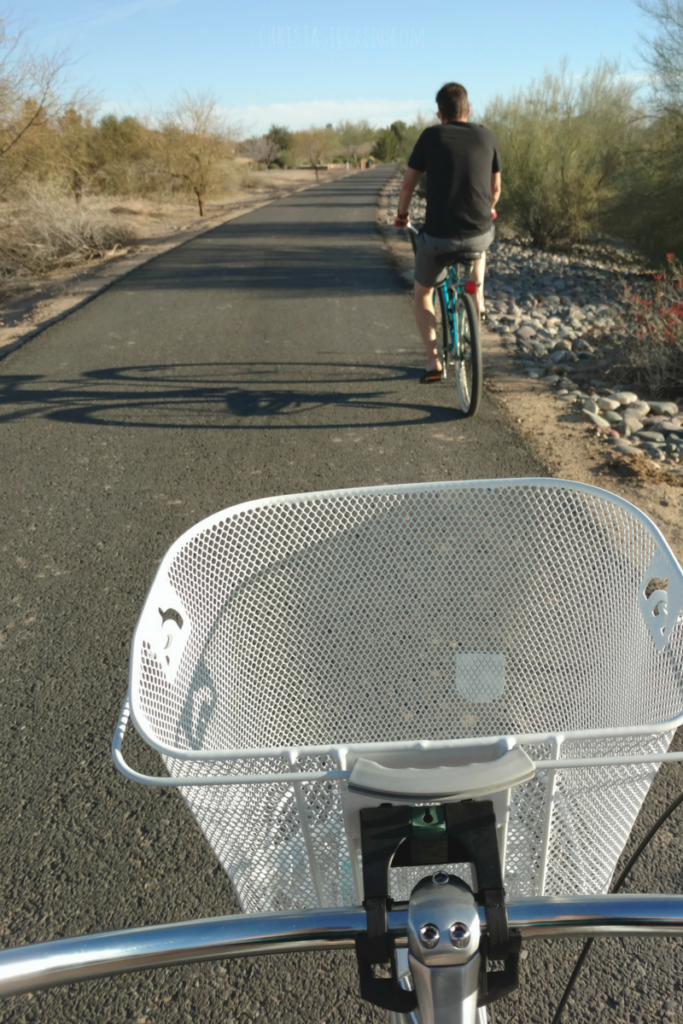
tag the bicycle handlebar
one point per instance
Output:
(66, 961)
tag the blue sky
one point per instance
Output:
(303, 63)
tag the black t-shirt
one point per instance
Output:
(459, 159)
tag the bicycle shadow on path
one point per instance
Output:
(229, 396)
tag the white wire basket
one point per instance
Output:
(412, 625)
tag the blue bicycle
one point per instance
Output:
(457, 325)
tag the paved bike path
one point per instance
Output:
(274, 354)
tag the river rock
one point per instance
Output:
(525, 333)
(590, 406)
(560, 355)
(606, 404)
(669, 426)
(639, 408)
(625, 397)
(612, 417)
(597, 421)
(624, 447)
(653, 436)
(669, 408)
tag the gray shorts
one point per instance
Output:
(429, 270)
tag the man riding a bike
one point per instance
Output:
(462, 164)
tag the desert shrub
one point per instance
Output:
(563, 143)
(646, 209)
(47, 230)
(651, 330)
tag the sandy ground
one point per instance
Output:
(32, 304)
(568, 445)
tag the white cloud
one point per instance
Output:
(256, 119)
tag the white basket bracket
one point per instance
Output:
(660, 597)
(463, 782)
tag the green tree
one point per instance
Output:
(563, 143)
(397, 141)
(386, 146)
(280, 135)
(283, 140)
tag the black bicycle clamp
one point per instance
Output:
(412, 836)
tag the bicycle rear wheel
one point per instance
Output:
(468, 370)
(443, 333)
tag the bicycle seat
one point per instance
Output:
(447, 259)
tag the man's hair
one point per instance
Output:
(452, 101)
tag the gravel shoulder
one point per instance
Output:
(554, 427)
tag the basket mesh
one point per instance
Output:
(428, 612)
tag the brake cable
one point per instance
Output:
(617, 886)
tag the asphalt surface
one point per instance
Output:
(274, 354)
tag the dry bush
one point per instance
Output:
(316, 146)
(47, 231)
(194, 143)
(651, 329)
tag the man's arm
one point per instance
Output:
(406, 194)
(495, 190)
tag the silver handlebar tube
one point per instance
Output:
(30, 968)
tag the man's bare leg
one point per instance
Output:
(477, 274)
(426, 325)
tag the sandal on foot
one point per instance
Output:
(431, 377)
